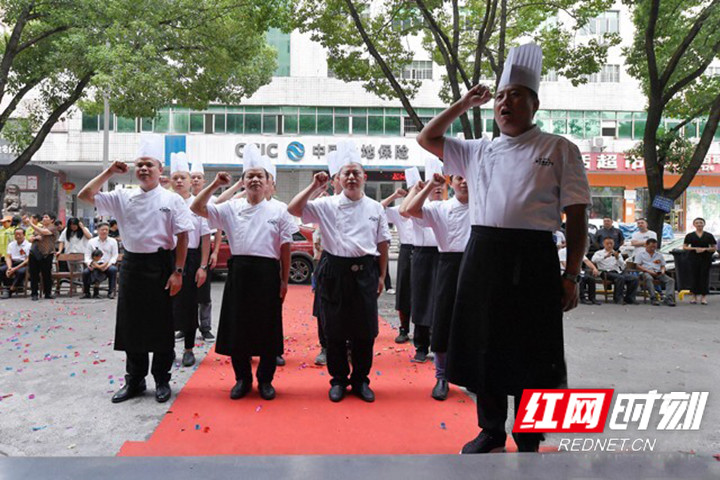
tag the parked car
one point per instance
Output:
(301, 256)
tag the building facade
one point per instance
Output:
(301, 115)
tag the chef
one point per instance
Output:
(259, 235)
(185, 304)
(506, 333)
(355, 241)
(155, 224)
(450, 221)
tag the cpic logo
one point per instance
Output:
(295, 151)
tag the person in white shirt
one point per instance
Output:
(610, 263)
(403, 293)
(559, 237)
(106, 266)
(507, 327)
(422, 274)
(185, 304)
(355, 242)
(450, 221)
(197, 176)
(154, 223)
(12, 272)
(652, 265)
(259, 235)
(74, 238)
(640, 237)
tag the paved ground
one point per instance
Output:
(58, 370)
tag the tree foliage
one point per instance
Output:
(142, 54)
(371, 41)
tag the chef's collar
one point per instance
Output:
(522, 138)
(149, 193)
(345, 200)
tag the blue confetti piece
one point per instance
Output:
(112, 381)
(35, 429)
(72, 374)
(8, 369)
(378, 372)
(442, 425)
(197, 426)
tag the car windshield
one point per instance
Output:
(669, 246)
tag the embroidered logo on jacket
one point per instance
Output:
(272, 221)
(544, 162)
(374, 219)
(165, 209)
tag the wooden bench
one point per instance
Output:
(75, 263)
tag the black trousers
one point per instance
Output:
(623, 282)
(321, 334)
(138, 363)
(587, 287)
(421, 338)
(492, 415)
(41, 267)
(243, 368)
(14, 281)
(337, 362)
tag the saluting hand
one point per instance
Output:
(418, 186)
(400, 193)
(118, 168)
(438, 180)
(222, 179)
(320, 180)
(174, 284)
(476, 96)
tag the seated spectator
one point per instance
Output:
(559, 238)
(100, 258)
(75, 237)
(15, 265)
(588, 278)
(114, 230)
(652, 265)
(608, 231)
(611, 266)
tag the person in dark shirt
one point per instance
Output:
(701, 245)
(608, 231)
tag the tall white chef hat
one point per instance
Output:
(197, 167)
(179, 163)
(270, 166)
(432, 166)
(345, 154)
(523, 67)
(334, 165)
(152, 145)
(253, 159)
(412, 176)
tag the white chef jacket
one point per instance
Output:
(256, 230)
(450, 221)
(424, 235)
(404, 225)
(607, 262)
(519, 182)
(149, 221)
(349, 228)
(200, 226)
(642, 236)
(18, 253)
(109, 248)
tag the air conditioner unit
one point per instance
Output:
(598, 142)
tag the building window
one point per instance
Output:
(712, 71)
(418, 70)
(607, 74)
(550, 76)
(409, 127)
(607, 22)
(281, 42)
(197, 122)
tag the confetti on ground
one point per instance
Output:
(35, 429)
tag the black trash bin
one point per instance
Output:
(683, 270)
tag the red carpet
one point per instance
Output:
(301, 420)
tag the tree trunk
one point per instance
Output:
(656, 219)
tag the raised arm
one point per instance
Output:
(411, 194)
(93, 187)
(229, 193)
(297, 205)
(415, 205)
(199, 205)
(432, 137)
(399, 193)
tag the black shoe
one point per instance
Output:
(485, 443)
(527, 442)
(179, 335)
(188, 359)
(420, 357)
(162, 392)
(280, 361)
(585, 301)
(241, 388)
(630, 302)
(440, 391)
(655, 302)
(594, 302)
(50, 297)
(35, 298)
(364, 392)
(267, 392)
(337, 393)
(669, 301)
(321, 358)
(86, 295)
(402, 336)
(5, 294)
(129, 391)
(207, 336)
(111, 295)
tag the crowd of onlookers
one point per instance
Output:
(644, 268)
(35, 245)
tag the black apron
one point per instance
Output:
(349, 309)
(424, 261)
(506, 333)
(144, 313)
(185, 303)
(317, 298)
(403, 290)
(251, 313)
(446, 277)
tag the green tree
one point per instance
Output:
(142, 54)
(367, 41)
(675, 41)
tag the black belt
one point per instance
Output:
(425, 249)
(514, 235)
(406, 246)
(354, 264)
